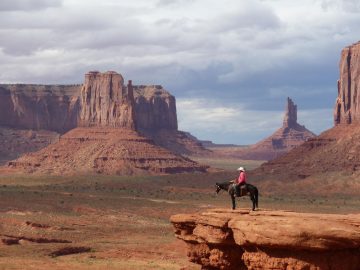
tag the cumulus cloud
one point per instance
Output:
(250, 52)
(207, 119)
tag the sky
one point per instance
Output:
(231, 64)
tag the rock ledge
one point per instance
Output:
(224, 239)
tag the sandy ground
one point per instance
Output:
(104, 222)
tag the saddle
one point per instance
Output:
(243, 189)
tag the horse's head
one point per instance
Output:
(218, 188)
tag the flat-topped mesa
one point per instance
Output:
(105, 101)
(347, 106)
(290, 118)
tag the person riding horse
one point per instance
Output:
(240, 182)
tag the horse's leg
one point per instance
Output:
(233, 201)
(253, 201)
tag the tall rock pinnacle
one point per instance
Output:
(105, 101)
(290, 118)
(347, 106)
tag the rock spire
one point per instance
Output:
(347, 105)
(290, 118)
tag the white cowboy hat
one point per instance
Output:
(241, 169)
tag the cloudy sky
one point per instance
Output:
(231, 63)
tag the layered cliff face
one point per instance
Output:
(289, 136)
(105, 101)
(347, 106)
(155, 108)
(39, 107)
(223, 239)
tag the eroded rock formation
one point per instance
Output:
(39, 107)
(155, 108)
(106, 151)
(278, 240)
(105, 101)
(347, 106)
(102, 101)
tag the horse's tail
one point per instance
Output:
(256, 197)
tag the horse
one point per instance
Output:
(250, 190)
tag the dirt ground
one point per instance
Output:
(105, 222)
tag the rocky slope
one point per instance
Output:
(15, 142)
(224, 239)
(103, 150)
(289, 136)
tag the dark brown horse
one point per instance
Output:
(249, 189)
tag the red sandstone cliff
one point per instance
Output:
(278, 240)
(39, 107)
(105, 101)
(155, 108)
(102, 101)
(347, 107)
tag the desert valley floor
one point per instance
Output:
(105, 222)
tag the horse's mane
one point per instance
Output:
(226, 184)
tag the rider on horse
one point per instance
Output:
(240, 181)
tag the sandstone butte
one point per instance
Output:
(337, 149)
(110, 127)
(60, 108)
(278, 240)
(286, 138)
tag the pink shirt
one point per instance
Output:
(242, 178)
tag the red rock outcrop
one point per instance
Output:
(155, 108)
(105, 101)
(156, 119)
(224, 239)
(39, 107)
(289, 136)
(103, 150)
(347, 107)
